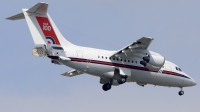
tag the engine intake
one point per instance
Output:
(153, 62)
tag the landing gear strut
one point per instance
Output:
(181, 92)
(106, 86)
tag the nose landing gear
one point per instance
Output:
(181, 92)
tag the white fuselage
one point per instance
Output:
(96, 62)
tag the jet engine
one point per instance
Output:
(153, 62)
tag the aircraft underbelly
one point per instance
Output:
(156, 78)
(90, 68)
(136, 75)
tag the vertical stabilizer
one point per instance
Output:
(42, 27)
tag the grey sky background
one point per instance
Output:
(32, 84)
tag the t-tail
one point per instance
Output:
(46, 36)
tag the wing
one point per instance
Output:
(142, 43)
(72, 73)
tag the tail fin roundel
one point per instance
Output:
(48, 30)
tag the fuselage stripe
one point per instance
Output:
(121, 65)
(127, 66)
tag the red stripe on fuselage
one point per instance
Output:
(111, 64)
(47, 28)
(126, 66)
(121, 65)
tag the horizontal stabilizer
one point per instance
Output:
(40, 8)
(16, 17)
(72, 73)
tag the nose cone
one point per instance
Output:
(190, 81)
(193, 83)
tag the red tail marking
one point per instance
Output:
(47, 29)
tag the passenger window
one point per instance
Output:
(124, 60)
(128, 60)
(135, 61)
(113, 58)
(132, 61)
(117, 59)
(177, 68)
(106, 57)
(121, 59)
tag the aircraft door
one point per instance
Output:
(79, 54)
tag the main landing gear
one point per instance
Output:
(122, 80)
(181, 92)
(108, 86)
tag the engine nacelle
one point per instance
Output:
(155, 60)
(109, 74)
(115, 83)
(152, 67)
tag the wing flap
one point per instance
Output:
(72, 73)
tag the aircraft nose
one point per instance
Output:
(194, 83)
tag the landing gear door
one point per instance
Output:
(125, 71)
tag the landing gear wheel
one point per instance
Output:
(106, 87)
(122, 80)
(181, 93)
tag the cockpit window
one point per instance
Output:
(178, 69)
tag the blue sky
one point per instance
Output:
(32, 84)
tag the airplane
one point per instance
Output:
(132, 63)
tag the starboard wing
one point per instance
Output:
(140, 44)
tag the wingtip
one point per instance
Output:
(148, 38)
(42, 3)
(8, 18)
